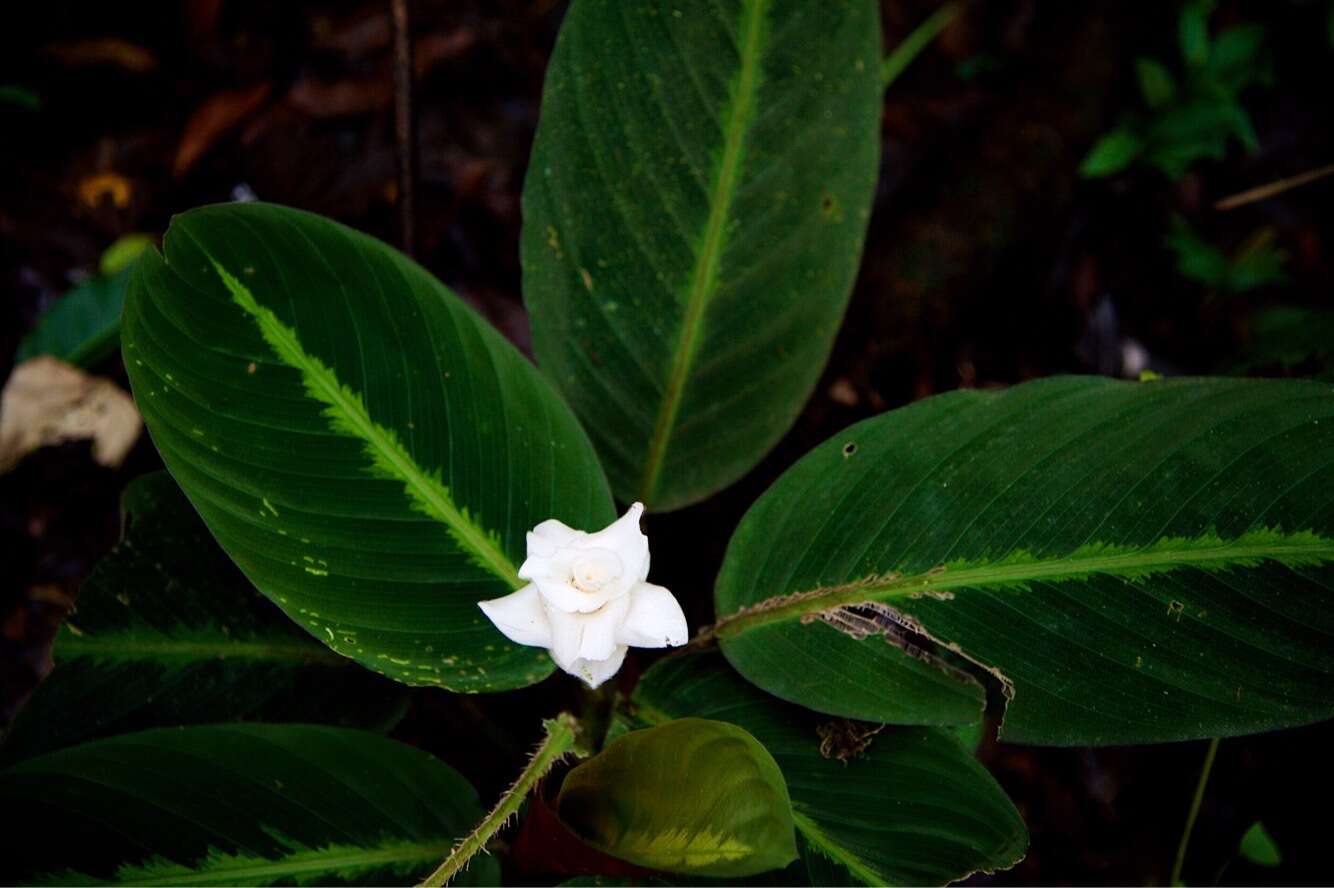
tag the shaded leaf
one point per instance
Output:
(168, 632)
(367, 449)
(236, 805)
(83, 326)
(687, 796)
(694, 213)
(1112, 153)
(911, 808)
(1258, 847)
(1155, 82)
(1132, 562)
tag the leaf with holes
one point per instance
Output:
(236, 805)
(879, 805)
(694, 213)
(366, 448)
(1132, 562)
(689, 796)
(168, 632)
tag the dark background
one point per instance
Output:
(989, 261)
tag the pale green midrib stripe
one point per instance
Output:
(949, 580)
(73, 648)
(402, 855)
(804, 824)
(833, 850)
(284, 341)
(704, 277)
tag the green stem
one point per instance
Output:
(1209, 756)
(558, 743)
(918, 40)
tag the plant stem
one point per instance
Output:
(559, 741)
(1209, 756)
(1264, 192)
(914, 43)
(405, 131)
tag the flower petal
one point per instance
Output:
(595, 672)
(654, 619)
(549, 536)
(624, 537)
(592, 636)
(520, 616)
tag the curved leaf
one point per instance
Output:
(1135, 562)
(168, 632)
(235, 805)
(694, 213)
(84, 326)
(910, 807)
(366, 448)
(688, 796)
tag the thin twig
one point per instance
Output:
(1264, 192)
(405, 131)
(1194, 812)
(560, 739)
(912, 45)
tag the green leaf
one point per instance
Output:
(366, 448)
(1155, 82)
(83, 327)
(235, 805)
(1289, 336)
(1113, 153)
(1133, 562)
(168, 632)
(911, 808)
(1258, 847)
(689, 796)
(1234, 60)
(1196, 258)
(124, 251)
(1193, 31)
(694, 213)
(19, 97)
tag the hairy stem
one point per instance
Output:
(1209, 756)
(559, 742)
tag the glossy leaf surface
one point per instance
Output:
(688, 796)
(694, 213)
(236, 805)
(1133, 562)
(367, 449)
(904, 806)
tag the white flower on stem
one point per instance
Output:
(587, 600)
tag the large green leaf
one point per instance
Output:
(168, 632)
(912, 807)
(235, 805)
(1135, 562)
(366, 448)
(688, 796)
(694, 213)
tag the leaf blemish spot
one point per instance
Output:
(1176, 609)
(849, 449)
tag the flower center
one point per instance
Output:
(594, 570)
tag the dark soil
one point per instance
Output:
(988, 262)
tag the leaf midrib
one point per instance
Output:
(704, 276)
(947, 580)
(341, 859)
(284, 341)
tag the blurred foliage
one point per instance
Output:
(1258, 847)
(1256, 263)
(1193, 115)
(17, 96)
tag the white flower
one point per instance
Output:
(587, 599)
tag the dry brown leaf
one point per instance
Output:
(103, 51)
(47, 401)
(219, 114)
